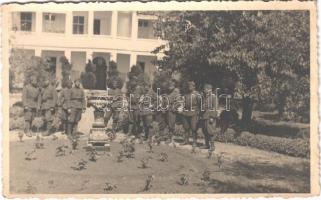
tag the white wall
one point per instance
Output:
(78, 61)
(123, 61)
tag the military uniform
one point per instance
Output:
(146, 110)
(64, 106)
(114, 108)
(134, 118)
(31, 103)
(77, 105)
(190, 115)
(208, 118)
(172, 112)
(48, 105)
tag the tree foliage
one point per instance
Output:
(24, 67)
(263, 55)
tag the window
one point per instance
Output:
(97, 26)
(78, 24)
(50, 17)
(142, 23)
(26, 21)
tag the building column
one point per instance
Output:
(38, 22)
(90, 23)
(68, 55)
(89, 55)
(69, 21)
(133, 60)
(38, 52)
(113, 56)
(114, 22)
(134, 25)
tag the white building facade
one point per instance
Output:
(81, 33)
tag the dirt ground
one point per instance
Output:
(243, 169)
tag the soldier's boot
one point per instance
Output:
(146, 130)
(212, 145)
(131, 129)
(207, 142)
(48, 129)
(186, 138)
(69, 131)
(27, 129)
(194, 138)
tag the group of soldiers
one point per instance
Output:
(195, 110)
(70, 103)
(44, 102)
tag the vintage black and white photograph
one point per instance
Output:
(108, 99)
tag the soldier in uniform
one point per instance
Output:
(134, 118)
(146, 109)
(208, 116)
(48, 105)
(64, 104)
(172, 110)
(31, 103)
(190, 113)
(116, 103)
(77, 107)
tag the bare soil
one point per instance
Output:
(243, 170)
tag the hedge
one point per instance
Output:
(294, 147)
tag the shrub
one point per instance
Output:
(16, 123)
(294, 147)
(15, 112)
(88, 78)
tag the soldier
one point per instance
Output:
(208, 116)
(172, 111)
(48, 105)
(190, 113)
(64, 104)
(146, 109)
(31, 103)
(77, 107)
(116, 103)
(134, 118)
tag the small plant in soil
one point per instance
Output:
(184, 179)
(163, 157)
(109, 187)
(149, 183)
(92, 155)
(220, 158)
(30, 155)
(206, 175)
(81, 165)
(61, 150)
(144, 163)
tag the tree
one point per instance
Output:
(252, 53)
(65, 71)
(88, 78)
